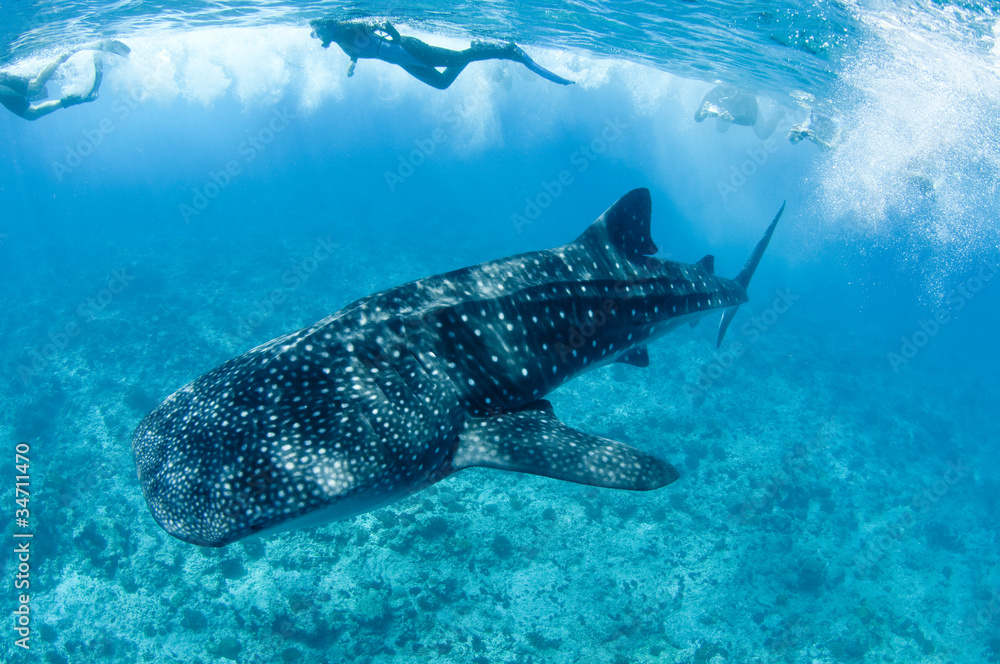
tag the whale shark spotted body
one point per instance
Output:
(407, 386)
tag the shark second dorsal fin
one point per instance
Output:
(707, 264)
(624, 227)
(534, 441)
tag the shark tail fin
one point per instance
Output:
(743, 278)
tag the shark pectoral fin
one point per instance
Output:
(534, 441)
(637, 357)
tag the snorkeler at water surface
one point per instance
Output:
(379, 40)
(24, 95)
(822, 130)
(731, 106)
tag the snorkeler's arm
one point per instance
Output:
(350, 67)
(822, 143)
(391, 29)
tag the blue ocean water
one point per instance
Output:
(838, 454)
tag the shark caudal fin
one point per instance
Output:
(743, 278)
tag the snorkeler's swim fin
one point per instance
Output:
(525, 59)
(112, 46)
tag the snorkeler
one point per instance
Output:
(732, 106)
(368, 38)
(22, 95)
(821, 129)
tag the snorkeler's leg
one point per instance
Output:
(36, 111)
(39, 81)
(73, 100)
(489, 50)
(448, 76)
(434, 78)
(435, 56)
(538, 69)
(98, 77)
(764, 126)
(518, 55)
(108, 45)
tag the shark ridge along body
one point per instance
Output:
(404, 387)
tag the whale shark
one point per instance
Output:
(405, 387)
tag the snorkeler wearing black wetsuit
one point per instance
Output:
(19, 94)
(368, 38)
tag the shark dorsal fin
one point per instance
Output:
(707, 264)
(624, 227)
